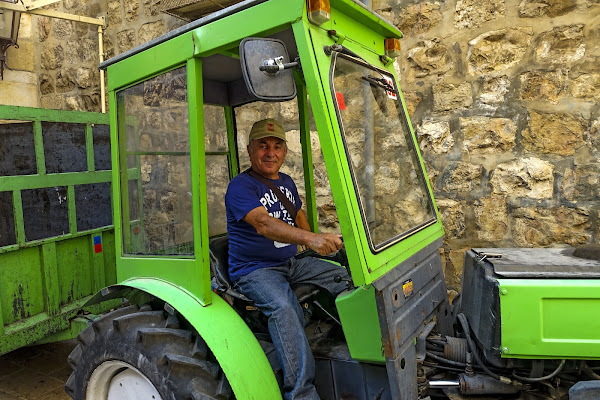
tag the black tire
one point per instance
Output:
(176, 361)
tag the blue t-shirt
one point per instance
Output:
(248, 250)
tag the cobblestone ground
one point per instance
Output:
(36, 372)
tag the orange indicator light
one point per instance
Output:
(392, 47)
(319, 11)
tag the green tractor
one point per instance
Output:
(523, 327)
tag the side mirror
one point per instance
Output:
(266, 68)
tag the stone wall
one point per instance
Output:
(56, 64)
(20, 84)
(504, 97)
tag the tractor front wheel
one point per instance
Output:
(140, 353)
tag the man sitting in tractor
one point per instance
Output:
(262, 243)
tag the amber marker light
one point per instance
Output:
(392, 47)
(319, 11)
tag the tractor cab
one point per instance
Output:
(181, 109)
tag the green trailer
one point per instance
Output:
(56, 245)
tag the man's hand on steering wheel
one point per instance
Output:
(326, 243)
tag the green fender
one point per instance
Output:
(226, 334)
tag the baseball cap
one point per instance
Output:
(266, 127)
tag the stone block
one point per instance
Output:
(537, 227)
(65, 81)
(435, 137)
(132, 10)
(52, 57)
(549, 8)
(70, 4)
(18, 94)
(494, 89)
(52, 101)
(88, 51)
(412, 101)
(126, 40)
(418, 18)
(454, 269)
(151, 31)
(543, 85)
(46, 84)
(462, 177)
(25, 31)
(429, 57)
(44, 25)
(453, 218)
(62, 29)
(150, 7)
(582, 183)
(20, 76)
(595, 134)
(528, 177)
(84, 77)
(586, 87)
(109, 47)
(558, 134)
(498, 50)
(450, 97)
(115, 13)
(561, 45)
(491, 218)
(474, 13)
(21, 58)
(485, 135)
(328, 217)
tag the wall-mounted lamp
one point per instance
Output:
(9, 30)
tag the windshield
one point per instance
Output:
(387, 175)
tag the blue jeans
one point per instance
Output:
(270, 290)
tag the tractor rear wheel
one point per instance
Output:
(135, 353)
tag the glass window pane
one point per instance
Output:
(64, 147)
(215, 129)
(285, 112)
(387, 174)
(217, 179)
(155, 116)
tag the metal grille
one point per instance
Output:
(190, 10)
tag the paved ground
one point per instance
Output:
(36, 372)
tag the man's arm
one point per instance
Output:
(275, 229)
(302, 221)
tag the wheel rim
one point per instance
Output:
(117, 380)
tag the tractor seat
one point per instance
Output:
(219, 255)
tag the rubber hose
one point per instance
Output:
(467, 330)
(541, 378)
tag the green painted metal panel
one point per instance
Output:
(260, 20)
(45, 114)
(550, 318)
(200, 286)
(151, 62)
(360, 322)
(226, 334)
(74, 274)
(307, 163)
(21, 285)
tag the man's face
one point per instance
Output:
(267, 155)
